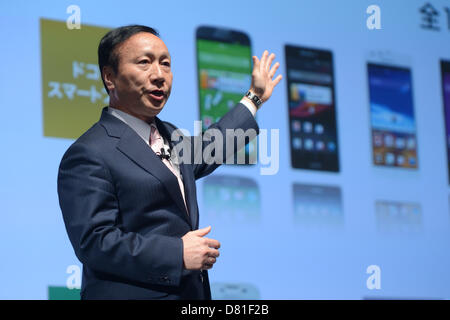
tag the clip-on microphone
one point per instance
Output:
(164, 155)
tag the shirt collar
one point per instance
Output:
(141, 127)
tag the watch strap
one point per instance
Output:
(254, 98)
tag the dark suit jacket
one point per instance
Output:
(125, 215)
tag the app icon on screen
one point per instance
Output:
(320, 145)
(309, 144)
(297, 142)
(296, 126)
(390, 159)
(318, 129)
(307, 127)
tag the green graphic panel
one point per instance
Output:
(72, 89)
(63, 293)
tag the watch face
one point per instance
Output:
(256, 100)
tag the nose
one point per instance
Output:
(157, 75)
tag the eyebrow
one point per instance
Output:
(151, 54)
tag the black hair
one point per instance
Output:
(107, 55)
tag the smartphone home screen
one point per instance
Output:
(394, 141)
(224, 75)
(312, 111)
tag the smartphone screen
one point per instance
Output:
(394, 141)
(393, 216)
(231, 199)
(318, 206)
(224, 67)
(312, 110)
(445, 71)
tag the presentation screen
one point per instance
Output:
(343, 195)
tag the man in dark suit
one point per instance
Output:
(130, 211)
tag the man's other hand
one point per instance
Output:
(199, 252)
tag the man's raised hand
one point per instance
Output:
(262, 76)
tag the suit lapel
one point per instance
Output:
(140, 153)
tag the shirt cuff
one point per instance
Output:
(250, 106)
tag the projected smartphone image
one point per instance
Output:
(224, 67)
(394, 141)
(398, 217)
(234, 291)
(445, 72)
(318, 206)
(231, 199)
(312, 109)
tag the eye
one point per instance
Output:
(144, 61)
(166, 63)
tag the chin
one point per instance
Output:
(154, 110)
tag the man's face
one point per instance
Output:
(143, 81)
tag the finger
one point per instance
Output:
(277, 80)
(210, 260)
(207, 266)
(255, 62)
(202, 232)
(213, 243)
(273, 70)
(264, 58)
(213, 253)
(269, 61)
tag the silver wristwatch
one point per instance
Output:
(255, 99)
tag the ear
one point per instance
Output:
(109, 77)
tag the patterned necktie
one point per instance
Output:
(157, 143)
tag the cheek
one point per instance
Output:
(132, 81)
(170, 80)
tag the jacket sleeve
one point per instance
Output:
(238, 119)
(91, 214)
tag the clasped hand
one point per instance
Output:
(199, 252)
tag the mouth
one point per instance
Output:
(157, 95)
